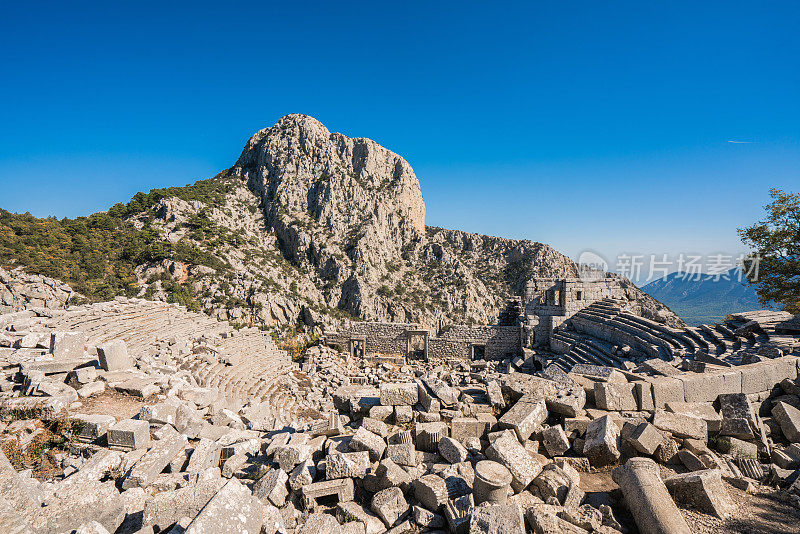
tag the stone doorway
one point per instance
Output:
(478, 352)
(358, 347)
(417, 348)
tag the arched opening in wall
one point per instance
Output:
(478, 352)
(579, 295)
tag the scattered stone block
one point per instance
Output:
(602, 442)
(272, 487)
(615, 396)
(302, 475)
(702, 490)
(402, 454)
(67, 345)
(351, 511)
(431, 492)
(154, 461)
(390, 505)
(506, 450)
(403, 414)
(93, 428)
(646, 439)
(347, 465)
(525, 417)
(464, 428)
(399, 394)
(233, 509)
(129, 434)
(458, 513)
(680, 425)
(167, 507)
(555, 441)
(364, 440)
(789, 418)
(113, 356)
(452, 451)
(319, 523)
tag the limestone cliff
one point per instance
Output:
(322, 227)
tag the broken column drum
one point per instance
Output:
(647, 497)
(492, 482)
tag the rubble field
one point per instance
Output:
(141, 417)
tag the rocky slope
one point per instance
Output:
(313, 226)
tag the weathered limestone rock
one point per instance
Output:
(129, 434)
(167, 507)
(67, 345)
(458, 513)
(431, 492)
(233, 509)
(402, 454)
(703, 490)
(555, 441)
(93, 428)
(272, 487)
(319, 523)
(15, 493)
(602, 442)
(390, 505)
(364, 440)
(648, 499)
(113, 356)
(155, 461)
(680, 425)
(497, 519)
(347, 465)
(789, 418)
(399, 394)
(302, 475)
(452, 451)
(353, 512)
(77, 504)
(615, 396)
(646, 438)
(507, 451)
(543, 520)
(525, 417)
(205, 454)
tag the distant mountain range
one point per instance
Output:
(703, 299)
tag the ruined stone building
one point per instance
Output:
(527, 321)
(549, 302)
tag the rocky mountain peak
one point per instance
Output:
(307, 176)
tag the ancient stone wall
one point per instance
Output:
(457, 341)
(499, 341)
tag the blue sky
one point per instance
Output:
(585, 125)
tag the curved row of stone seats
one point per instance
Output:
(248, 365)
(250, 368)
(614, 332)
(669, 348)
(717, 339)
(681, 343)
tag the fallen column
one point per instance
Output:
(647, 498)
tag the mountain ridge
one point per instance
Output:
(308, 226)
(704, 298)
